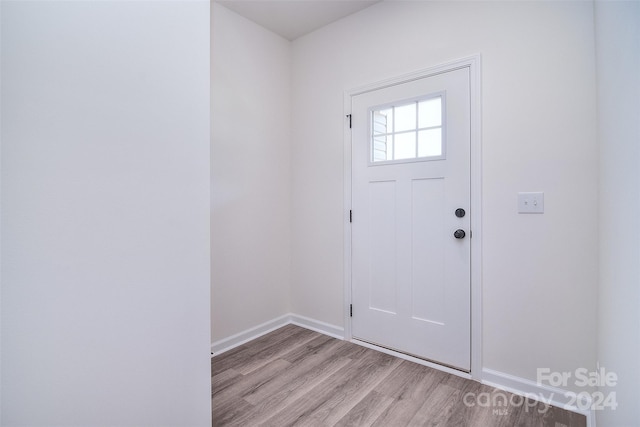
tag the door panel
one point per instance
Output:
(410, 275)
(382, 276)
(427, 219)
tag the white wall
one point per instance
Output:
(539, 271)
(618, 70)
(251, 179)
(105, 220)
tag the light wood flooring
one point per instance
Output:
(297, 377)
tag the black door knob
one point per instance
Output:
(460, 213)
(459, 233)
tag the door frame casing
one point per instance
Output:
(474, 65)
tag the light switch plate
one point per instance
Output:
(531, 203)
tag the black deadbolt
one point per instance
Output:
(459, 233)
(460, 213)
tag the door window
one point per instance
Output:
(408, 131)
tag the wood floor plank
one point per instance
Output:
(400, 413)
(223, 380)
(532, 415)
(338, 394)
(341, 349)
(284, 393)
(268, 353)
(224, 400)
(410, 381)
(437, 407)
(409, 385)
(318, 365)
(240, 355)
(528, 418)
(366, 411)
(296, 377)
(311, 347)
(227, 416)
(228, 359)
(556, 417)
(462, 415)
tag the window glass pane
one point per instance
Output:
(382, 121)
(382, 148)
(405, 146)
(405, 117)
(430, 113)
(430, 143)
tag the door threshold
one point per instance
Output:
(425, 362)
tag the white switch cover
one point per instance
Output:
(530, 202)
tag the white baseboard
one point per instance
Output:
(318, 326)
(226, 344)
(554, 396)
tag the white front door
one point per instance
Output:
(411, 218)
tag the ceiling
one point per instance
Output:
(294, 18)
